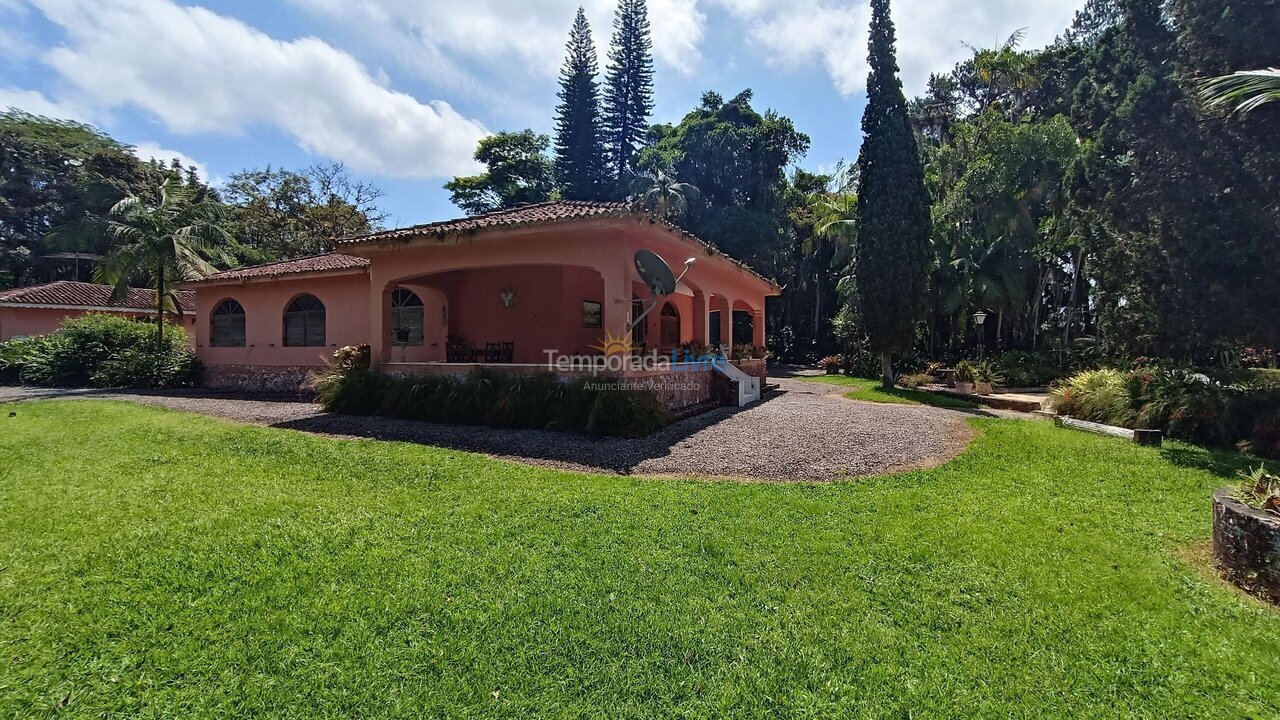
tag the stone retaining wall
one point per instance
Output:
(1246, 544)
(260, 378)
(676, 390)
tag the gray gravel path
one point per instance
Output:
(805, 432)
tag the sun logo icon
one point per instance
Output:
(614, 345)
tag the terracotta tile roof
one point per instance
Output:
(328, 262)
(70, 294)
(538, 214)
(528, 215)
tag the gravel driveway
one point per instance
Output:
(805, 431)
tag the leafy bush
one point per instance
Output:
(1095, 395)
(1179, 402)
(101, 350)
(138, 368)
(829, 363)
(598, 406)
(914, 380)
(625, 413)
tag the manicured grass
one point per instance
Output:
(158, 564)
(871, 391)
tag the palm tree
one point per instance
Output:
(659, 193)
(835, 214)
(1006, 70)
(163, 240)
(1247, 89)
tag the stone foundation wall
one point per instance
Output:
(287, 379)
(1246, 544)
(676, 390)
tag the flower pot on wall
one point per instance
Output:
(964, 387)
(982, 388)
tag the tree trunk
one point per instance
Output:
(886, 369)
(160, 314)
(1071, 302)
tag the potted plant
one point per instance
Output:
(830, 364)
(984, 377)
(965, 376)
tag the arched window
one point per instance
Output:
(670, 326)
(226, 325)
(406, 317)
(304, 322)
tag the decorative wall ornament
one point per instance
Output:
(508, 295)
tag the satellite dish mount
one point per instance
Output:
(655, 273)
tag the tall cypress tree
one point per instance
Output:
(891, 259)
(580, 159)
(628, 100)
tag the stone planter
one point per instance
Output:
(982, 388)
(833, 370)
(1246, 545)
(964, 387)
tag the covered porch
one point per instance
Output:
(522, 297)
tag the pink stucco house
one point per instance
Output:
(518, 288)
(40, 309)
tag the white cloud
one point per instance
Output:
(37, 103)
(455, 43)
(200, 72)
(930, 33)
(149, 150)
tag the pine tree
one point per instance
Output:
(891, 262)
(580, 160)
(628, 98)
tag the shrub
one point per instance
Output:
(350, 391)
(489, 397)
(829, 363)
(915, 380)
(103, 351)
(148, 369)
(625, 413)
(1259, 489)
(1179, 402)
(1095, 395)
(1185, 405)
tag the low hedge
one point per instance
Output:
(1243, 412)
(101, 350)
(597, 406)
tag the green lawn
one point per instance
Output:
(156, 564)
(871, 391)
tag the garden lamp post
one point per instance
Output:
(979, 318)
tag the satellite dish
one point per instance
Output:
(655, 273)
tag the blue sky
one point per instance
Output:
(400, 90)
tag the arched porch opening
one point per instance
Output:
(501, 314)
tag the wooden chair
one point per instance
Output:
(493, 352)
(508, 352)
(457, 352)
